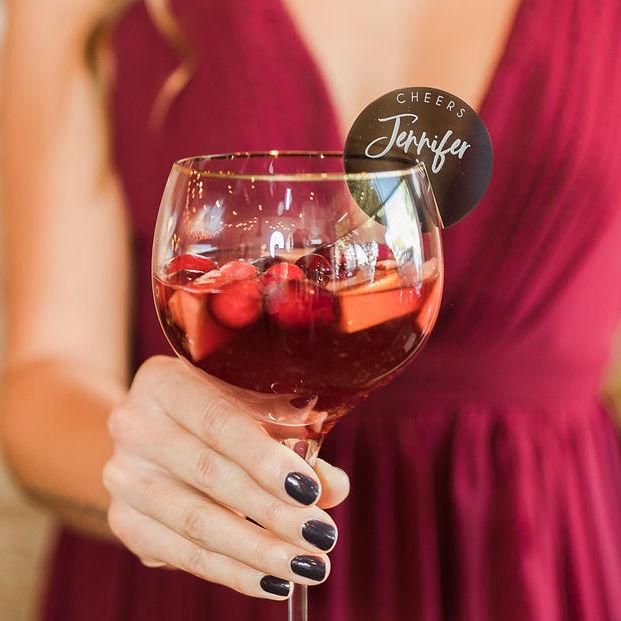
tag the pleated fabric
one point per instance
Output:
(486, 479)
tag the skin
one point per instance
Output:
(453, 45)
(173, 461)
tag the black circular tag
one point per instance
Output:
(419, 124)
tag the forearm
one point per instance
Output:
(56, 440)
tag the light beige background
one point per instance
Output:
(24, 535)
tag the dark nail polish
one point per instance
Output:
(301, 488)
(320, 534)
(275, 586)
(309, 567)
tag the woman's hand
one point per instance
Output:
(190, 464)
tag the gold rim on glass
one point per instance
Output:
(184, 166)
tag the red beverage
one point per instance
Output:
(325, 337)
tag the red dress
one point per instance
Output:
(486, 480)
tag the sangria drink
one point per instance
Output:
(302, 286)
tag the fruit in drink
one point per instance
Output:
(303, 329)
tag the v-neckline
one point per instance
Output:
(515, 27)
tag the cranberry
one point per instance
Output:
(238, 270)
(191, 263)
(238, 304)
(228, 273)
(281, 272)
(384, 252)
(317, 267)
(300, 304)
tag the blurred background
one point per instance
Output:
(24, 531)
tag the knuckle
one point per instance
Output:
(261, 462)
(195, 562)
(144, 373)
(215, 423)
(110, 475)
(273, 512)
(263, 551)
(154, 365)
(206, 469)
(118, 522)
(153, 371)
(123, 422)
(116, 422)
(193, 523)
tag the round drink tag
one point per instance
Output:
(419, 124)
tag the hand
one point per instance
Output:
(190, 464)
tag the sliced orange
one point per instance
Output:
(386, 277)
(203, 334)
(362, 286)
(360, 311)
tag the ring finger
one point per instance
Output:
(149, 539)
(217, 529)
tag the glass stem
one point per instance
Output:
(298, 602)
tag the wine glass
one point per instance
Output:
(302, 285)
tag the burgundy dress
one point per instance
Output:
(486, 480)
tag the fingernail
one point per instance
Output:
(301, 488)
(320, 534)
(309, 567)
(275, 586)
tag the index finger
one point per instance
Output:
(212, 411)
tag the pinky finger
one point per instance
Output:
(151, 540)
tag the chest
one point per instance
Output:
(365, 49)
(552, 211)
(258, 84)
